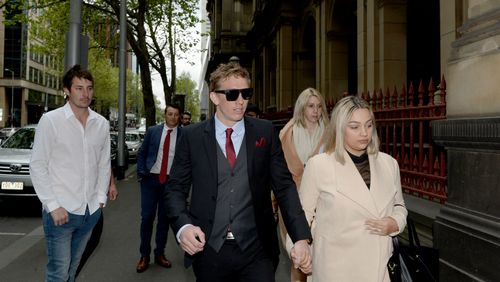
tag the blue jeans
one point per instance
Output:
(65, 244)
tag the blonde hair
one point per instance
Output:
(301, 104)
(341, 115)
(225, 71)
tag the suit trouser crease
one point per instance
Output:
(233, 264)
(152, 206)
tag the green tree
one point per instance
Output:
(49, 28)
(156, 30)
(177, 20)
(151, 34)
(187, 86)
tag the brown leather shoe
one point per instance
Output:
(142, 265)
(163, 261)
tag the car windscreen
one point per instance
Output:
(21, 139)
(132, 137)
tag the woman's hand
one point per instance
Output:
(383, 227)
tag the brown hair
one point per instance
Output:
(76, 71)
(225, 71)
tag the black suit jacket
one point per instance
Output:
(195, 167)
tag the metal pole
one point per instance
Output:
(11, 99)
(72, 50)
(46, 108)
(122, 87)
(137, 92)
(46, 84)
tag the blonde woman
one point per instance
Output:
(352, 198)
(301, 139)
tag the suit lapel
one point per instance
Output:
(179, 135)
(250, 136)
(210, 144)
(157, 139)
(382, 185)
(352, 186)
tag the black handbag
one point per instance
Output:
(413, 262)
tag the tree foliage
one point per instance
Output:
(151, 26)
(187, 86)
(176, 19)
(159, 32)
(49, 28)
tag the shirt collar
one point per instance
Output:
(238, 127)
(165, 127)
(68, 112)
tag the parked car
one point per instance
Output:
(134, 142)
(6, 132)
(114, 151)
(15, 154)
(142, 134)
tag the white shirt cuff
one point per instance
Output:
(178, 235)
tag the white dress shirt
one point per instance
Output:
(70, 164)
(236, 137)
(156, 168)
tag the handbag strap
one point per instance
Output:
(415, 244)
(395, 244)
(412, 233)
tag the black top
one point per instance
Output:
(362, 163)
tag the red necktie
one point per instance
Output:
(164, 160)
(230, 154)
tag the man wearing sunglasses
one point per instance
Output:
(227, 165)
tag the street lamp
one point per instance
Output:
(11, 99)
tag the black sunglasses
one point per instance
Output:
(233, 94)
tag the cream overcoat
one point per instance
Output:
(337, 202)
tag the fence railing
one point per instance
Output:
(404, 127)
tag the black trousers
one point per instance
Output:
(231, 264)
(95, 237)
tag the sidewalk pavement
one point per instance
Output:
(116, 255)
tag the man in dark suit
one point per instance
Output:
(154, 161)
(229, 163)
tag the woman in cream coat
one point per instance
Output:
(352, 197)
(301, 139)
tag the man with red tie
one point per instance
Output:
(154, 160)
(227, 165)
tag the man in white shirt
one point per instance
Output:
(70, 169)
(154, 160)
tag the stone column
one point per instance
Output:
(321, 48)
(467, 229)
(392, 33)
(285, 67)
(372, 45)
(362, 45)
(448, 29)
(269, 94)
(339, 58)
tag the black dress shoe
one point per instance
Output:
(163, 261)
(142, 265)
